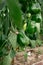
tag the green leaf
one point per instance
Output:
(36, 7)
(25, 56)
(7, 60)
(13, 39)
(12, 53)
(15, 13)
(22, 39)
(30, 29)
(38, 41)
(33, 43)
(38, 18)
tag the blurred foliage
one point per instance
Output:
(15, 13)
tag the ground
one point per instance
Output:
(34, 57)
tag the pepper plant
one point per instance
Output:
(17, 26)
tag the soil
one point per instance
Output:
(34, 56)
